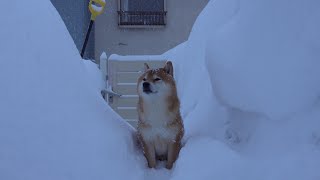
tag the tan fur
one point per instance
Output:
(152, 134)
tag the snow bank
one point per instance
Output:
(246, 78)
(53, 122)
(249, 85)
(266, 57)
(204, 158)
(94, 76)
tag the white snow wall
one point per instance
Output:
(53, 123)
(249, 77)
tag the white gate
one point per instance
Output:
(122, 73)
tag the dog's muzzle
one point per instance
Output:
(146, 88)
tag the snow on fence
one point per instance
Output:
(121, 74)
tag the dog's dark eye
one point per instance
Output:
(157, 79)
(144, 79)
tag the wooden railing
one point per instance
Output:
(142, 18)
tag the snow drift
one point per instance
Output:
(265, 58)
(252, 84)
(53, 122)
(249, 99)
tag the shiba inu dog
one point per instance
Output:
(160, 127)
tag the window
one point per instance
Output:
(142, 13)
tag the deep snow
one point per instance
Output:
(249, 99)
(53, 122)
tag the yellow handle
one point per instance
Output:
(96, 10)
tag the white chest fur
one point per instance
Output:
(157, 117)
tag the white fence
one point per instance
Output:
(121, 74)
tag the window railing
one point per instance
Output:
(142, 18)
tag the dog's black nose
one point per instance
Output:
(146, 85)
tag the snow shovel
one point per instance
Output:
(96, 8)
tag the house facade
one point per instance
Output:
(144, 27)
(76, 17)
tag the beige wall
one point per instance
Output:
(127, 41)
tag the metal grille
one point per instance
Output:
(144, 18)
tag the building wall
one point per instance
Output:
(76, 17)
(112, 39)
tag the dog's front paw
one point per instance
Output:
(151, 165)
(169, 165)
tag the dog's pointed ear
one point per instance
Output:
(169, 68)
(146, 67)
